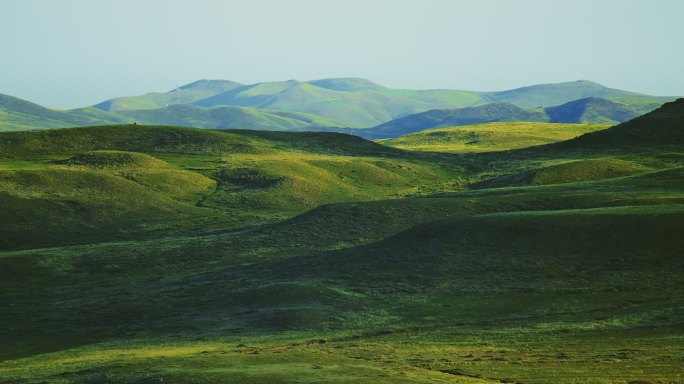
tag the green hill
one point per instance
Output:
(362, 103)
(152, 254)
(662, 127)
(451, 117)
(591, 110)
(490, 136)
(335, 102)
(545, 95)
(583, 111)
(18, 114)
(340, 99)
(223, 117)
(568, 172)
(482, 283)
(237, 177)
(185, 94)
(346, 84)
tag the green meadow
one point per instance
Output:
(490, 137)
(493, 253)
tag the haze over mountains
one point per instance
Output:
(339, 103)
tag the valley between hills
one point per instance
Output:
(225, 233)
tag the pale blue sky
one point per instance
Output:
(71, 53)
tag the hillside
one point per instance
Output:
(591, 110)
(357, 102)
(126, 181)
(369, 104)
(223, 117)
(662, 127)
(545, 95)
(185, 94)
(155, 254)
(18, 114)
(583, 111)
(452, 117)
(489, 137)
(314, 105)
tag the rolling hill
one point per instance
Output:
(583, 111)
(151, 254)
(185, 94)
(131, 180)
(334, 102)
(223, 117)
(17, 114)
(545, 95)
(591, 110)
(438, 118)
(488, 137)
(357, 102)
(662, 127)
(369, 104)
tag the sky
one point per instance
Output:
(74, 53)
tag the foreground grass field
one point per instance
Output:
(157, 254)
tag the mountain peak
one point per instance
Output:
(589, 82)
(345, 84)
(205, 84)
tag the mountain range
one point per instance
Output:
(589, 110)
(337, 103)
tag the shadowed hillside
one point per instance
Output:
(662, 127)
(583, 111)
(591, 110)
(452, 117)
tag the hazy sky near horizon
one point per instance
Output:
(73, 53)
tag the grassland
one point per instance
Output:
(490, 137)
(274, 257)
(118, 182)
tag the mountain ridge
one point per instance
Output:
(333, 102)
(589, 110)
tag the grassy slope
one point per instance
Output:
(203, 179)
(572, 282)
(450, 117)
(490, 136)
(582, 111)
(357, 102)
(362, 104)
(592, 110)
(446, 301)
(569, 172)
(660, 128)
(229, 117)
(188, 93)
(18, 114)
(217, 117)
(545, 95)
